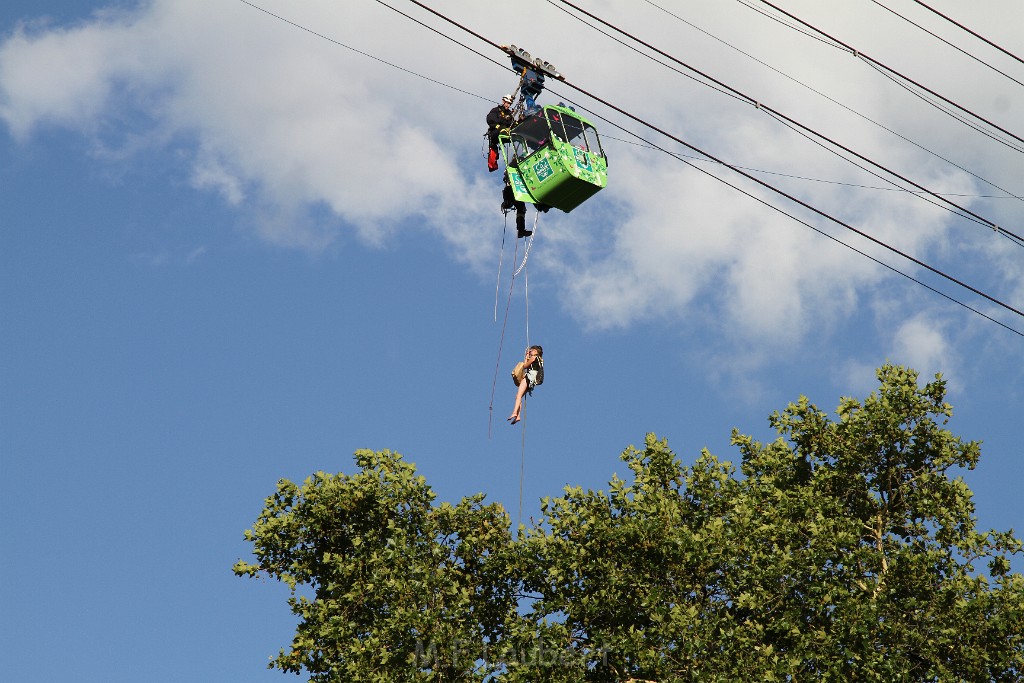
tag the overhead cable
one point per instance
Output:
(819, 93)
(365, 54)
(727, 165)
(764, 184)
(1008, 195)
(949, 111)
(749, 4)
(605, 136)
(704, 157)
(955, 47)
(644, 54)
(860, 55)
(760, 105)
(795, 199)
(979, 37)
(682, 158)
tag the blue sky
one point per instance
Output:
(232, 251)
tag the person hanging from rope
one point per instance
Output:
(509, 202)
(527, 375)
(498, 119)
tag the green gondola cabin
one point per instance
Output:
(554, 158)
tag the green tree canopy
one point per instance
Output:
(846, 549)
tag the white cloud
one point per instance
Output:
(281, 123)
(61, 76)
(211, 174)
(920, 343)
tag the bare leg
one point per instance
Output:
(520, 392)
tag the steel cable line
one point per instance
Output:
(1009, 194)
(760, 105)
(705, 157)
(760, 182)
(849, 246)
(860, 55)
(797, 200)
(894, 187)
(830, 99)
(431, 28)
(943, 108)
(731, 167)
(925, 197)
(979, 37)
(955, 47)
(365, 54)
(481, 97)
(796, 27)
(605, 136)
(683, 158)
(644, 54)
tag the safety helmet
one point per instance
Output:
(507, 98)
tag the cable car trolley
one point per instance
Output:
(554, 159)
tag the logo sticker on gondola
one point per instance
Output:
(543, 169)
(582, 160)
(517, 182)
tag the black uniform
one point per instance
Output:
(498, 119)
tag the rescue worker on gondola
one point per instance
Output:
(498, 119)
(509, 202)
